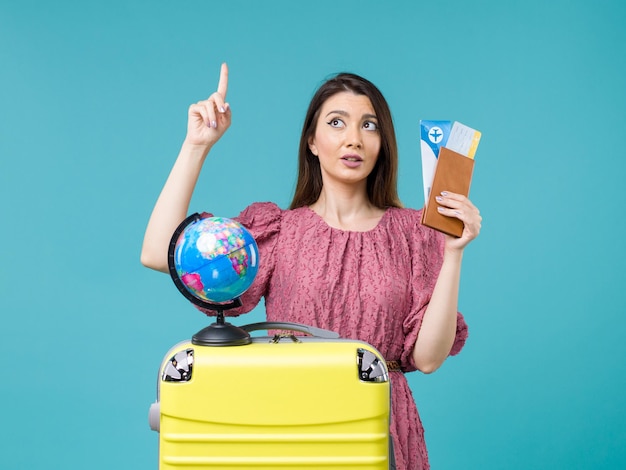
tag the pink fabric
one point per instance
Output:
(372, 286)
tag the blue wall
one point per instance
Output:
(93, 102)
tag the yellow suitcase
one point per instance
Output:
(279, 402)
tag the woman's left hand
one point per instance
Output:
(460, 207)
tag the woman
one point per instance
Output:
(345, 256)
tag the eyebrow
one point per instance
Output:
(345, 113)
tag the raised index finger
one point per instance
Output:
(222, 86)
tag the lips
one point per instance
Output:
(352, 161)
(352, 158)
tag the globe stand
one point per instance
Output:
(219, 333)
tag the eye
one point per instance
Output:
(370, 126)
(336, 122)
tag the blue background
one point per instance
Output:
(93, 103)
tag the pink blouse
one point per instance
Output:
(373, 286)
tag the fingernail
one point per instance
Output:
(438, 198)
(214, 124)
(222, 110)
(441, 209)
(444, 193)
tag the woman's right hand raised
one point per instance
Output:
(209, 119)
(207, 122)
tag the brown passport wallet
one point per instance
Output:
(453, 173)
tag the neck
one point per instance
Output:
(347, 210)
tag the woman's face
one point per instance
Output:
(346, 138)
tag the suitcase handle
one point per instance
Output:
(273, 325)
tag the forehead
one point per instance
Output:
(349, 103)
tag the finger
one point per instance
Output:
(206, 111)
(450, 212)
(197, 110)
(453, 196)
(209, 106)
(455, 200)
(450, 201)
(222, 86)
(218, 102)
(468, 214)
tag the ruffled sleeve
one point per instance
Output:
(426, 264)
(263, 220)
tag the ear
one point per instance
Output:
(312, 146)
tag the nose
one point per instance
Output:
(353, 137)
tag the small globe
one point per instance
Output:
(216, 259)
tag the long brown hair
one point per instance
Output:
(382, 182)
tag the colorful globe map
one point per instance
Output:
(216, 259)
